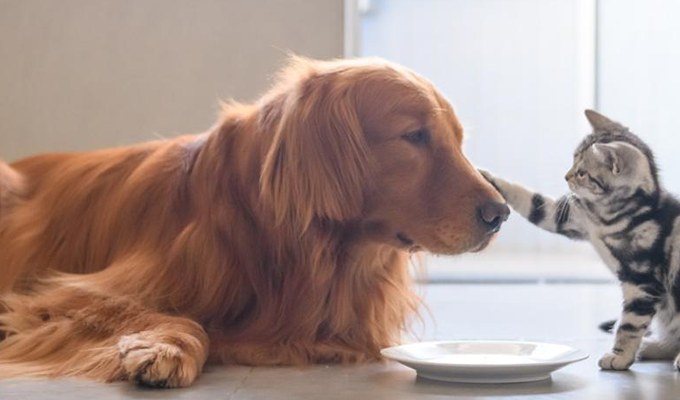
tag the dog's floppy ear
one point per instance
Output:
(316, 165)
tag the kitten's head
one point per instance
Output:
(611, 162)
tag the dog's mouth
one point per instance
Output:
(411, 246)
(482, 245)
(408, 243)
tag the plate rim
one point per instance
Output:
(578, 355)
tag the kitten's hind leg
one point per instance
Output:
(655, 349)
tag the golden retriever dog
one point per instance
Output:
(279, 237)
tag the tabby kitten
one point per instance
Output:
(618, 205)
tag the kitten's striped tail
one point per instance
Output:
(607, 326)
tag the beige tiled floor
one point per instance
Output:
(566, 313)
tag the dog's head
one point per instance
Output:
(372, 144)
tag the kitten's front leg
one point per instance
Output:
(638, 311)
(555, 216)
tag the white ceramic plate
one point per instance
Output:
(484, 361)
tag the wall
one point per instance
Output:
(638, 83)
(83, 74)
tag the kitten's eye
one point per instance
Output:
(581, 173)
(419, 137)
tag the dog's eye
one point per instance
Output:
(419, 137)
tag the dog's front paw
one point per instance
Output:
(150, 362)
(618, 362)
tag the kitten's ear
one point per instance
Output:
(601, 123)
(608, 155)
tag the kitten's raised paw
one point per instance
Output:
(611, 361)
(490, 178)
(152, 363)
(486, 174)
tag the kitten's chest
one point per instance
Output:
(605, 254)
(618, 245)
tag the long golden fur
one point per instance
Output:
(281, 236)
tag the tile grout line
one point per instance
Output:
(240, 385)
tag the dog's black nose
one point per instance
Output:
(493, 214)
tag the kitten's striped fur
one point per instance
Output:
(618, 205)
